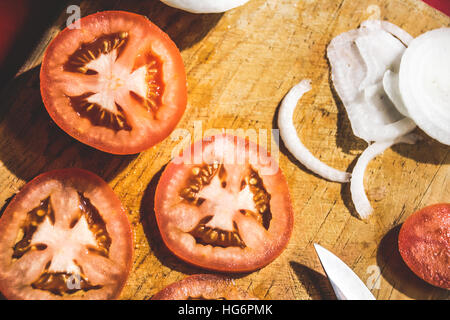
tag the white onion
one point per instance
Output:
(382, 106)
(359, 197)
(424, 83)
(396, 31)
(359, 59)
(205, 6)
(390, 86)
(292, 141)
(377, 96)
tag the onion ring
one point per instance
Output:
(359, 197)
(359, 59)
(292, 141)
(424, 83)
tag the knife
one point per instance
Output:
(345, 283)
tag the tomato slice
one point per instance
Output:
(203, 287)
(424, 244)
(224, 205)
(117, 83)
(65, 235)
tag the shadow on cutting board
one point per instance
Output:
(316, 284)
(32, 143)
(346, 194)
(396, 272)
(427, 150)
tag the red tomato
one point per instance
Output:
(117, 84)
(203, 287)
(228, 210)
(12, 18)
(424, 244)
(65, 235)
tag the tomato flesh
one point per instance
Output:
(203, 287)
(424, 244)
(117, 84)
(230, 211)
(65, 235)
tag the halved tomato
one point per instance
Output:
(224, 205)
(424, 244)
(117, 83)
(203, 287)
(65, 235)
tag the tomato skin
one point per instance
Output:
(175, 96)
(252, 259)
(203, 286)
(93, 183)
(424, 244)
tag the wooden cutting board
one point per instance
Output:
(240, 65)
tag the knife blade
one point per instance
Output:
(345, 283)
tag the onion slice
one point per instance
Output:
(359, 197)
(292, 141)
(394, 30)
(424, 83)
(205, 6)
(390, 86)
(359, 59)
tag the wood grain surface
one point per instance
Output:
(240, 65)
